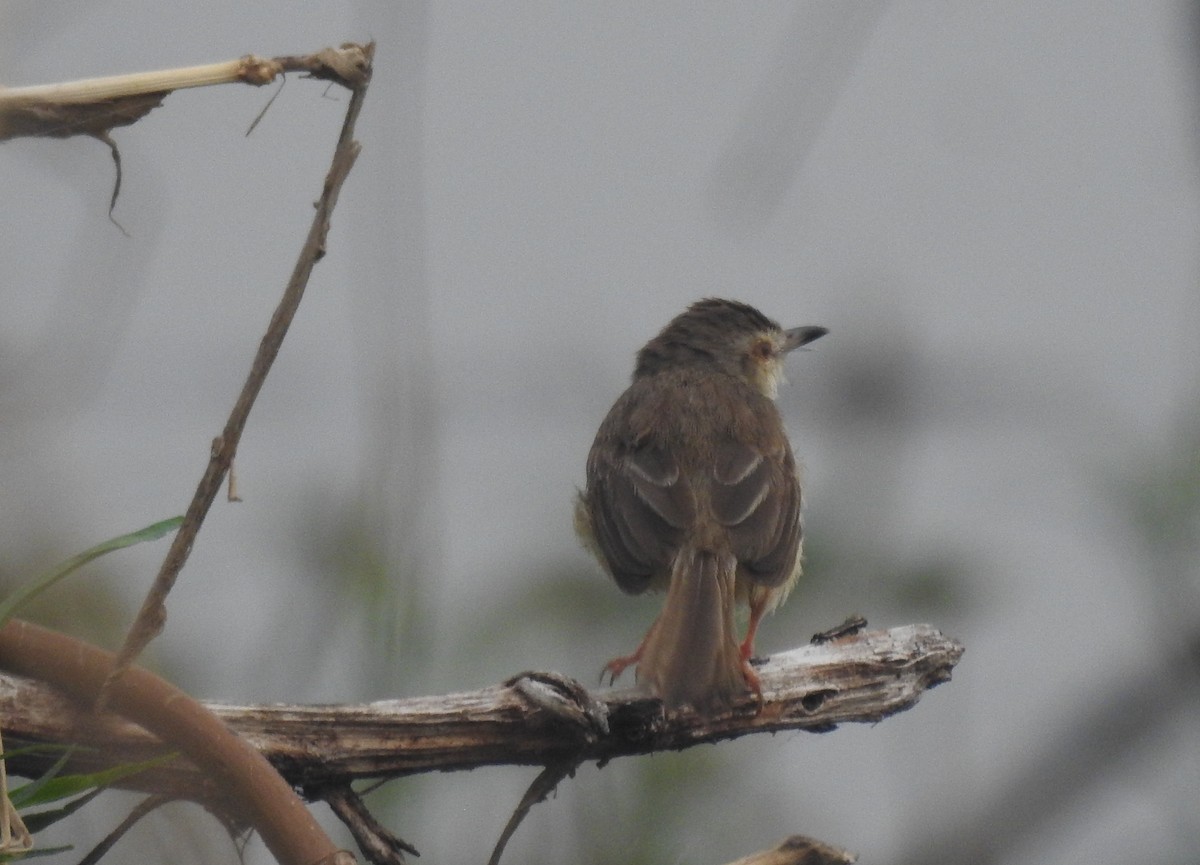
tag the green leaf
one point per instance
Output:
(29, 794)
(34, 853)
(51, 789)
(22, 595)
(44, 748)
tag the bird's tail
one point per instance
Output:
(691, 654)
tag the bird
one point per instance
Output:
(692, 488)
(800, 850)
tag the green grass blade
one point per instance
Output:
(28, 794)
(51, 789)
(45, 748)
(13, 602)
(34, 853)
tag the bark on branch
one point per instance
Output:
(534, 719)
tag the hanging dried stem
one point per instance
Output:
(94, 106)
(152, 616)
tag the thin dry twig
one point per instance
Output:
(152, 616)
(236, 772)
(377, 843)
(96, 106)
(141, 809)
(14, 837)
(541, 787)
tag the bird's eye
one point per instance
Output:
(762, 350)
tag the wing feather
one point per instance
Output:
(641, 506)
(757, 497)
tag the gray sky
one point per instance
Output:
(993, 207)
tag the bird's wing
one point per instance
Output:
(757, 497)
(640, 504)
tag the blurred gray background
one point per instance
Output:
(994, 209)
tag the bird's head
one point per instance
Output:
(734, 337)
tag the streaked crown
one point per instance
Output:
(710, 331)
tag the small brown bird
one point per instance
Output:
(692, 488)
(800, 850)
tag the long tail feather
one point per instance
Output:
(692, 653)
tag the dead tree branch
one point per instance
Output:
(536, 720)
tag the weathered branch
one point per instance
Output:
(537, 719)
(94, 106)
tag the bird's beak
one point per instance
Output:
(799, 336)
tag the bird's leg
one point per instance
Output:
(758, 606)
(617, 666)
(753, 682)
